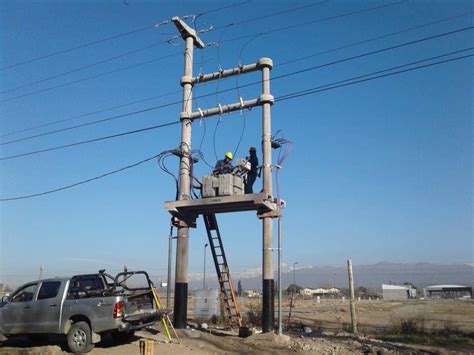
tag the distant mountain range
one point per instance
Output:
(373, 276)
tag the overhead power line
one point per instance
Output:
(375, 38)
(283, 12)
(92, 113)
(89, 77)
(123, 34)
(281, 98)
(82, 79)
(92, 140)
(253, 83)
(77, 47)
(158, 43)
(279, 65)
(132, 52)
(372, 76)
(80, 182)
(290, 27)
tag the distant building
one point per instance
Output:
(447, 291)
(250, 294)
(397, 293)
(311, 292)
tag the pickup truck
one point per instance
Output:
(83, 307)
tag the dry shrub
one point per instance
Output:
(253, 317)
(409, 325)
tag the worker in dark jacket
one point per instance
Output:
(224, 166)
(254, 170)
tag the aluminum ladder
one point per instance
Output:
(231, 306)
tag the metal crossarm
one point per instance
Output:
(231, 306)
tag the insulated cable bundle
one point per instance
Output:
(285, 147)
(194, 156)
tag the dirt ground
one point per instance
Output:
(377, 316)
(205, 343)
(328, 321)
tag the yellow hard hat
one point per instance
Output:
(229, 155)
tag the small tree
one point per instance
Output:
(293, 289)
(239, 289)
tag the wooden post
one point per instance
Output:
(352, 301)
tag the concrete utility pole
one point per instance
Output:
(181, 279)
(268, 286)
(40, 275)
(352, 301)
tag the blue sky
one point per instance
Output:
(380, 171)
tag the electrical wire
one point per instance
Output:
(92, 122)
(90, 77)
(90, 113)
(80, 182)
(223, 8)
(162, 42)
(91, 140)
(82, 79)
(375, 38)
(281, 141)
(255, 36)
(280, 64)
(95, 64)
(242, 112)
(111, 38)
(246, 85)
(284, 12)
(287, 147)
(77, 47)
(289, 27)
(370, 78)
(280, 98)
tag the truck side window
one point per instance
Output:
(49, 289)
(83, 286)
(25, 294)
(91, 283)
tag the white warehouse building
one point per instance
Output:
(397, 293)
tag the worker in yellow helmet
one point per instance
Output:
(224, 166)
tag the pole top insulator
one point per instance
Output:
(187, 31)
(265, 62)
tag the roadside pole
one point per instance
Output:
(352, 301)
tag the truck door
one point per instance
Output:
(45, 309)
(17, 312)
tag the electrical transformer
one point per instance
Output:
(226, 184)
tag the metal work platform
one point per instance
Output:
(191, 209)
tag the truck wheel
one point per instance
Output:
(79, 338)
(123, 337)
